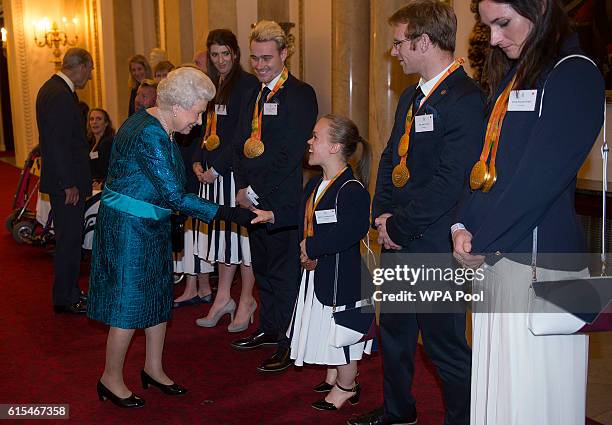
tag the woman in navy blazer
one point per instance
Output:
(334, 217)
(544, 137)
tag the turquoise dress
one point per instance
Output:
(130, 284)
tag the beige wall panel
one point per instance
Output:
(199, 22)
(143, 24)
(350, 60)
(123, 32)
(179, 31)
(465, 23)
(222, 14)
(318, 51)
(246, 14)
(275, 10)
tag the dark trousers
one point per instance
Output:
(443, 336)
(276, 265)
(68, 228)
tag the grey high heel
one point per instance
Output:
(232, 327)
(228, 308)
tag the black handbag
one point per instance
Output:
(573, 306)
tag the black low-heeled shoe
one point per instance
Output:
(130, 402)
(323, 387)
(326, 405)
(172, 389)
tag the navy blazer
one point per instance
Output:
(63, 144)
(439, 162)
(221, 158)
(276, 175)
(537, 163)
(343, 237)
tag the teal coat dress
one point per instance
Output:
(130, 284)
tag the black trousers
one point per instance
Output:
(443, 336)
(68, 227)
(276, 264)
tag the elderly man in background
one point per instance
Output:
(65, 174)
(200, 58)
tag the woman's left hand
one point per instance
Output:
(208, 176)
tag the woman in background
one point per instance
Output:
(139, 70)
(100, 133)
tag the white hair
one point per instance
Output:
(184, 87)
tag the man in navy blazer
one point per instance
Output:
(413, 214)
(273, 180)
(65, 173)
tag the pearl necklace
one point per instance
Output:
(162, 121)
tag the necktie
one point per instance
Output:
(418, 97)
(264, 94)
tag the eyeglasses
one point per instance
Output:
(398, 43)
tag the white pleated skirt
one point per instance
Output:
(519, 378)
(220, 241)
(311, 328)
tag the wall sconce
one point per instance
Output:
(53, 37)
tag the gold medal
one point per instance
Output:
(491, 178)
(402, 148)
(253, 147)
(212, 142)
(400, 175)
(478, 175)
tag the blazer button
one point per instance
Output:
(498, 253)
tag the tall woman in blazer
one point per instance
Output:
(334, 140)
(523, 190)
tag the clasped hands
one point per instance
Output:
(207, 176)
(462, 248)
(383, 237)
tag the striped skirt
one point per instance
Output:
(220, 241)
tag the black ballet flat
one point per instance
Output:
(323, 387)
(130, 402)
(172, 389)
(326, 405)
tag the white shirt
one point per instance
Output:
(272, 83)
(66, 79)
(427, 86)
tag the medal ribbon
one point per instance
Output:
(494, 125)
(312, 204)
(257, 114)
(410, 116)
(211, 126)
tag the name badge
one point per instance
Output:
(423, 123)
(93, 155)
(325, 216)
(270, 108)
(522, 100)
(221, 109)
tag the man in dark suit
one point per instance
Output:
(268, 175)
(413, 212)
(65, 174)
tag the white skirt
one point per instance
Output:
(311, 327)
(519, 378)
(219, 241)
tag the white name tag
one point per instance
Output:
(522, 100)
(220, 109)
(326, 216)
(270, 108)
(93, 155)
(423, 123)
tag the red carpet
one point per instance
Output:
(46, 358)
